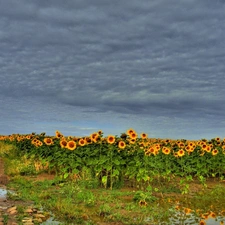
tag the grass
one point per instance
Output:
(73, 202)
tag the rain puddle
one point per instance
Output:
(3, 193)
(51, 221)
(191, 219)
(3, 196)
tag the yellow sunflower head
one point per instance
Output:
(58, 134)
(144, 136)
(111, 139)
(63, 143)
(71, 145)
(181, 153)
(130, 131)
(82, 142)
(215, 152)
(121, 144)
(166, 150)
(202, 222)
(48, 141)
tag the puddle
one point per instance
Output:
(182, 219)
(3, 193)
(3, 196)
(194, 220)
(51, 221)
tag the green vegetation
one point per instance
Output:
(125, 179)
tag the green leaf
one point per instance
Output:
(116, 162)
(104, 181)
(116, 172)
(65, 175)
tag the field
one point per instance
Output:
(124, 179)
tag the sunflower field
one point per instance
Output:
(127, 159)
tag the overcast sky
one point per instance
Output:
(78, 66)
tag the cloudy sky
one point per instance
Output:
(82, 65)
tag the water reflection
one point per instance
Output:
(182, 219)
(3, 193)
(51, 221)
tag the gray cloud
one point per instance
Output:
(160, 59)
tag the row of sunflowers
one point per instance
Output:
(127, 156)
(151, 146)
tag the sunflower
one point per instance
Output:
(202, 222)
(167, 141)
(141, 145)
(111, 139)
(133, 135)
(100, 132)
(58, 134)
(143, 203)
(39, 143)
(201, 152)
(144, 135)
(181, 153)
(34, 141)
(130, 131)
(150, 151)
(205, 216)
(121, 144)
(123, 136)
(157, 148)
(223, 149)
(212, 214)
(192, 144)
(217, 140)
(94, 137)
(215, 152)
(28, 137)
(71, 145)
(147, 153)
(204, 146)
(18, 139)
(180, 144)
(94, 140)
(70, 138)
(132, 141)
(48, 141)
(75, 139)
(222, 212)
(187, 211)
(63, 143)
(187, 148)
(166, 150)
(208, 148)
(82, 142)
(88, 140)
